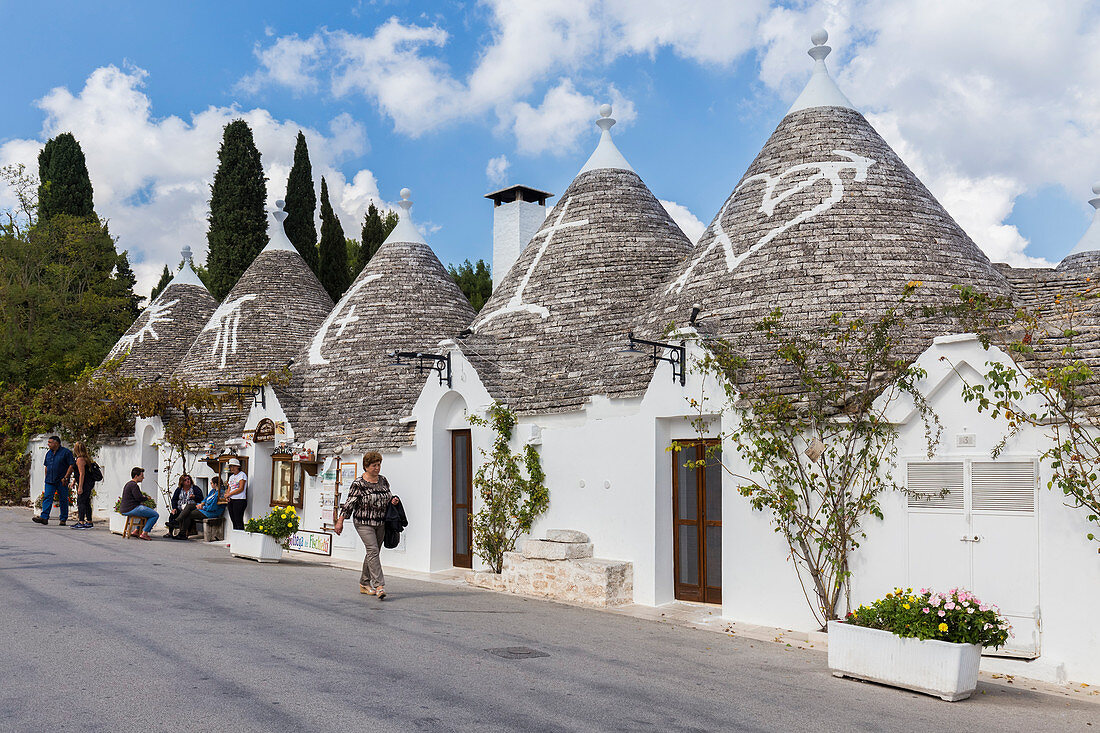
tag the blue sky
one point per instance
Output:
(997, 117)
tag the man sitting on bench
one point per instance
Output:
(208, 509)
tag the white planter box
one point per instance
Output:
(116, 522)
(259, 547)
(949, 671)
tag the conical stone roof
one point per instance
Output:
(165, 330)
(273, 310)
(550, 335)
(826, 219)
(345, 389)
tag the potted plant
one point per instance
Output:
(924, 641)
(116, 522)
(264, 539)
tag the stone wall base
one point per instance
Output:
(589, 581)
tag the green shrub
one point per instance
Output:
(146, 500)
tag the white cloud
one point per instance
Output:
(290, 61)
(565, 115)
(496, 170)
(684, 219)
(151, 176)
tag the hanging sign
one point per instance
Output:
(315, 543)
(265, 431)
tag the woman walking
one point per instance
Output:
(237, 492)
(368, 497)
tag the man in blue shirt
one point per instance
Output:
(59, 466)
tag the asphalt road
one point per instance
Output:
(98, 633)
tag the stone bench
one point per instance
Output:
(561, 567)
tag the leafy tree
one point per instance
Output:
(510, 502)
(301, 205)
(376, 228)
(125, 279)
(352, 248)
(63, 304)
(165, 278)
(475, 281)
(334, 274)
(238, 222)
(817, 457)
(64, 184)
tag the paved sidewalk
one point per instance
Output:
(105, 634)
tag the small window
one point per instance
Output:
(1006, 486)
(288, 479)
(927, 482)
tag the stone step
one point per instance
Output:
(566, 535)
(543, 550)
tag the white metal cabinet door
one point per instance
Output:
(938, 558)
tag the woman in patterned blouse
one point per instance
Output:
(368, 497)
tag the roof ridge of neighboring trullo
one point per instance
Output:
(549, 337)
(345, 387)
(273, 309)
(164, 331)
(826, 219)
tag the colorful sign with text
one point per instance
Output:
(315, 543)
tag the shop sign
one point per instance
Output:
(315, 543)
(265, 431)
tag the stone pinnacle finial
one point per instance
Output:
(606, 121)
(280, 215)
(819, 38)
(1095, 201)
(405, 203)
(186, 252)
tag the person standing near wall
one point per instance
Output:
(60, 464)
(131, 504)
(237, 491)
(368, 497)
(84, 485)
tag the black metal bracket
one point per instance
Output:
(426, 362)
(676, 356)
(254, 392)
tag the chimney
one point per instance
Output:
(518, 212)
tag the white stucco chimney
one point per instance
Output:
(518, 212)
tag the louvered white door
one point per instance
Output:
(981, 534)
(1005, 547)
(936, 558)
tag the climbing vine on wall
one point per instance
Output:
(510, 501)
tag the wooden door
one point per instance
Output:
(462, 501)
(697, 522)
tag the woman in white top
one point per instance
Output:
(237, 493)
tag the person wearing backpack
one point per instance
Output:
(87, 474)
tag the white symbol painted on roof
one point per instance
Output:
(315, 356)
(226, 320)
(157, 312)
(515, 304)
(826, 170)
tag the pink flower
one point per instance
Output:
(934, 601)
(924, 610)
(942, 613)
(950, 605)
(923, 591)
(970, 610)
(983, 607)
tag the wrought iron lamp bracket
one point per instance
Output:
(674, 354)
(440, 363)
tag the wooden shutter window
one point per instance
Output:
(929, 479)
(1003, 486)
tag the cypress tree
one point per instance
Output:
(475, 281)
(333, 253)
(165, 278)
(375, 230)
(301, 205)
(124, 284)
(238, 222)
(65, 187)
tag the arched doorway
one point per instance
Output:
(452, 484)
